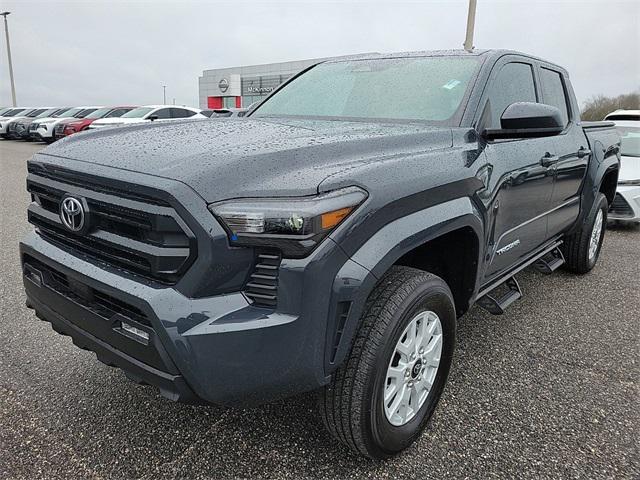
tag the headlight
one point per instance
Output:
(293, 225)
(629, 183)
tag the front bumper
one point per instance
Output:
(626, 204)
(44, 132)
(219, 349)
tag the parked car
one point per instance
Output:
(626, 204)
(224, 112)
(27, 113)
(74, 125)
(326, 245)
(20, 128)
(44, 129)
(148, 113)
(624, 115)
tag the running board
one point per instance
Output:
(497, 305)
(547, 260)
(550, 262)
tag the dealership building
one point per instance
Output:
(241, 86)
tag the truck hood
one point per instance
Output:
(629, 168)
(228, 158)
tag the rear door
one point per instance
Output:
(520, 185)
(571, 151)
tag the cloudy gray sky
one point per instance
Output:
(111, 52)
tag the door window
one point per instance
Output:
(163, 113)
(553, 92)
(182, 113)
(513, 84)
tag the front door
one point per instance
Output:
(521, 182)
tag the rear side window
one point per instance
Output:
(553, 92)
(513, 84)
(182, 113)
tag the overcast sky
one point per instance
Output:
(121, 52)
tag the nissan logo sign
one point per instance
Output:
(72, 214)
(223, 85)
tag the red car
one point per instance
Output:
(74, 125)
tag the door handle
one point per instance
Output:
(583, 152)
(548, 160)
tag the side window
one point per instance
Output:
(553, 92)
(182, 113)
(513, 84)
(118, 112)
(163, 113)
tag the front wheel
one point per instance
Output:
(381, 398)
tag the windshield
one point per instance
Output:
(59, 112)
(428, 89)
(13, 112)
(84, 112)
(47, 113)
(70, 113)
(137, 112)
(630, 141)
(35, 113)
(99, 113)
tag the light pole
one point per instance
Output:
(471, 21)
(164, 94)
(13, 85)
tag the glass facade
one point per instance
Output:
(257, 88)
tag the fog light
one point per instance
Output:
(136, 332)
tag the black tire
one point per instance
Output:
(352, 404)
(576, 246)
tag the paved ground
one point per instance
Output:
(550, 389)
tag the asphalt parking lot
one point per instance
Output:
(548, 390)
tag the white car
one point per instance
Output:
(148, 113)
(626, 204)
(44, 129)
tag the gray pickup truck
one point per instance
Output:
(327, 241)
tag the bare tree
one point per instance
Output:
(597, 107)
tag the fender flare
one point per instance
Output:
(356, 279)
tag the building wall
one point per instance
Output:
(229, 86)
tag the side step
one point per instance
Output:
(497, 305)
(550, 261)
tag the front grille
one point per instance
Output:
(620, 208)
(262, 288)
(143, 238)
(33, 127)
(59, 129)
(11, 127)
(96, 301)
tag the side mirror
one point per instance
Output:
(528, 120)
(152, 117)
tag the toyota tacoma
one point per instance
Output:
(329, 240)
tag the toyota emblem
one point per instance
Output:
(72, 214)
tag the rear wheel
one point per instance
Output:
(381, 398)
(582, 249)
